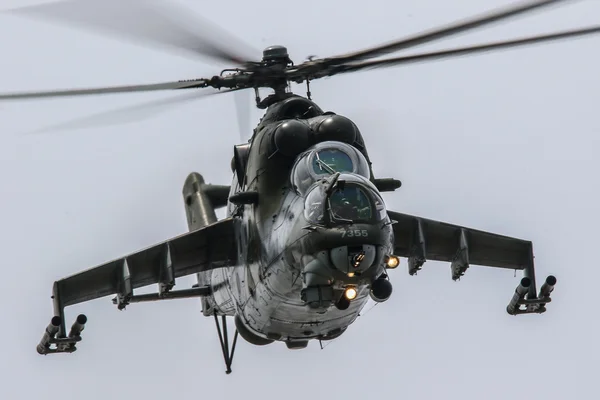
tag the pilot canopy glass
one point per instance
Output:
(325, 159)
(335, 159)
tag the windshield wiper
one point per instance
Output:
(333, 184)
(324, 165)
(335, 217)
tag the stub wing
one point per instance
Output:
(213, 246)
(426, 239)
(420, 239)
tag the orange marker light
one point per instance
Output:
(350, 293)
(392, 262)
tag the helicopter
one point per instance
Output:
(307, 239)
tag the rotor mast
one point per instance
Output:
(277, 59)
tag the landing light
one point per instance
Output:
(392, 262)
(350, 293)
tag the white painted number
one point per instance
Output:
(355, 233)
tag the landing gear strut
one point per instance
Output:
(224, 339)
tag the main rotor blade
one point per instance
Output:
(442, 32)
(149, 22)
(133, 113)
(242, 110)
(194, 83)
(465, 50)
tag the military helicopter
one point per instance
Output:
(307, 239)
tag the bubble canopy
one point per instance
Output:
(324, 159)
(354, 199)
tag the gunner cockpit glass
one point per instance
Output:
(314, 205)
(352, 203)
(352, 199)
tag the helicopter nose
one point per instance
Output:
(352, 259)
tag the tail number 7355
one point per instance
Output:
(355, 233)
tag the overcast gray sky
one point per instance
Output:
(504, 142)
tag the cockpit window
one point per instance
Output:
(314, 205)
(328, 160)
(325, 159)
(352, 204)
(351, 199)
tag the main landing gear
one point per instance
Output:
(224, 339)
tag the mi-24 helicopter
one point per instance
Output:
(307, 239)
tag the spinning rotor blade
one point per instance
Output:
(439, 33)
(132, 113)
(465, 50)
(242, 109)
(149, 22)
(194, 83)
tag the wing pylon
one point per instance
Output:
(210, 247)
(420, 239)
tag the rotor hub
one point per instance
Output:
(276, 53)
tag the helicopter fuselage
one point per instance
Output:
(297, 263)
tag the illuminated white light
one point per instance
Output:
(392, 262)
(350, 274)
(350, 293)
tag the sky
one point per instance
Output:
(502, 142)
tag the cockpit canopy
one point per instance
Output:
(353, 199)
(352, 203)
(324, 159)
